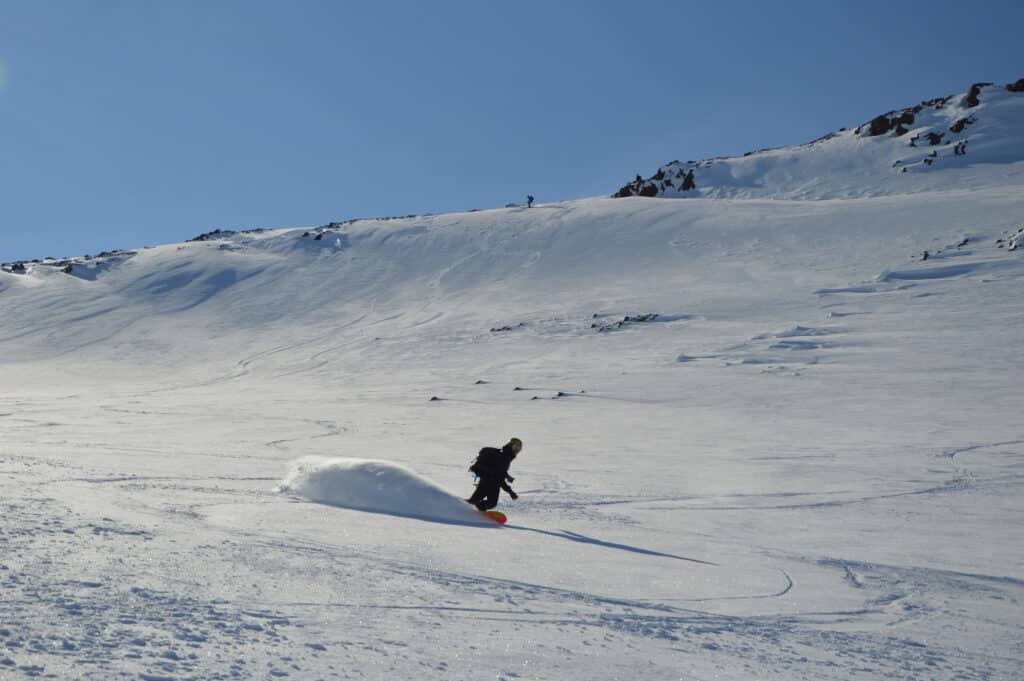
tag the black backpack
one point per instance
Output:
(488, 459)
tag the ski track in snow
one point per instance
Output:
(162, 631)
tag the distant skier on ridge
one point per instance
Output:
(491, 467)
(529, 201)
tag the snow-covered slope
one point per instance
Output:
(968, 140)
(773, 439)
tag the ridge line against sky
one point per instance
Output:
(129, 124)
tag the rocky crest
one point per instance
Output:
(940, 123)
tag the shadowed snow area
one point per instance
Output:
(378, 486)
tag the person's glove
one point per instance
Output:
(510, 478)
(513, 495)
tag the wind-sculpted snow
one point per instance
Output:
(377, 486)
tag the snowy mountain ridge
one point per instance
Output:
(958, 141)
(498, 270)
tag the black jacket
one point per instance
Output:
(492, 464)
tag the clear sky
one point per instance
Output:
(126, 123)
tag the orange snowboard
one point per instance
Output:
(496, 516)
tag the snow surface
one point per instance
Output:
(808, 465)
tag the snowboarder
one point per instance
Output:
(529, 201)
(491, 467)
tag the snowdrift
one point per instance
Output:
(377, 486)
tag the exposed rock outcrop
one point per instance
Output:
(659, 182)
(971, 99)
(894, 120)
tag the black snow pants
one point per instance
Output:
(486, 495)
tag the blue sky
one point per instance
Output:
(124, 124)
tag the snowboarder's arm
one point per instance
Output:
(504, 486)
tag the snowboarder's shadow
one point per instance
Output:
(583, 539)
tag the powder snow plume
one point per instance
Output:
(377, 486)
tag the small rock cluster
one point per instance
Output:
(65, 265)
(1013, 241)
(507, 327)
(958, 245)
(959, 126)
(894, 120)
(213, 234)
(604, 327)
(216, 234)
(971, 99)
(659, 182)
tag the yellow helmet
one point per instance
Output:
(516, 444)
